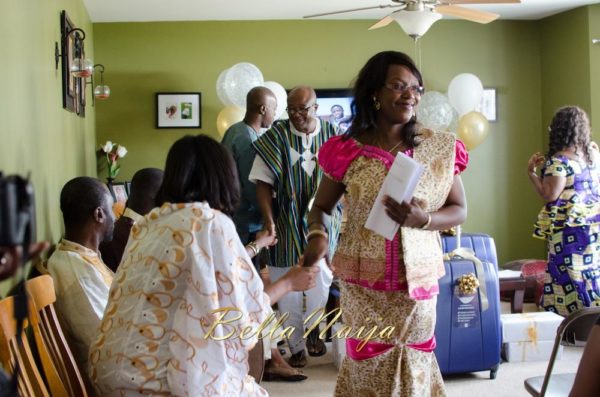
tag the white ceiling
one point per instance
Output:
(220, 10)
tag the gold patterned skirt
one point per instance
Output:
(401, 371)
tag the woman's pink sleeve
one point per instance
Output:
(462, 157)
(336, 155)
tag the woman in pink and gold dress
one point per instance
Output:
(389, 282)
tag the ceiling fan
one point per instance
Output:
(416, 16)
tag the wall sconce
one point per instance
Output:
(75, 66)
(101, 91)
(80, 66)
(595, 41)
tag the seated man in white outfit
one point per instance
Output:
(80, 277)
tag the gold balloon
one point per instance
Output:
(228, 116)
(472, 129)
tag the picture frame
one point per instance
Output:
(119, 192)
(73, 89)
(335, 106)
(488, 106)
(178, 110)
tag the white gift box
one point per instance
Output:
(529, 351)
(338, 346)
(530, 327)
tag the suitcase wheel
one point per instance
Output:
(494, 371)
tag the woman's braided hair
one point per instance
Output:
(570, 127)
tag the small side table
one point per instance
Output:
(517, 286)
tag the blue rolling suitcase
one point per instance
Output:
(468, 337)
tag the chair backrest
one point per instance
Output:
(256, 361)
(17, 352)
(55, 383)
(574, 323)
(49, 333)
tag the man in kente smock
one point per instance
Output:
(286, 167)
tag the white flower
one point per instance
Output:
(121, 151)
(107, 147)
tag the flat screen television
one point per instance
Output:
(334, 106)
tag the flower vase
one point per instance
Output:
(110, 184)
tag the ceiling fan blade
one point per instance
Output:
(385, 21)
(449, 2)
(352, 10)
(467, 13)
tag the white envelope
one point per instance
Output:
(399, 184)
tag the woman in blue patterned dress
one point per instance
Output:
(570, 219)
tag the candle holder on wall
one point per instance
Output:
(75, 66)
(101, 91)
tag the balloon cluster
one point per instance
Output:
(457, 111)
(233, 85)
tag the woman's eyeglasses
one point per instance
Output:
(401, 88)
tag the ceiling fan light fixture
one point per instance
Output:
(416, 23)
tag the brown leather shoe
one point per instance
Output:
(298, 360)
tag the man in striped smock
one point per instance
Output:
(286, 168)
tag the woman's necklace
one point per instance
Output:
(392, 149)
(395, 146)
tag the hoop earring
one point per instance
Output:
(376, 104)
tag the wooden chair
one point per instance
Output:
(256, 361)
(49, 333)
(576, 326)
(13, 353)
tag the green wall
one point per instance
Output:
(144, 58)
(37, 134)
(594, 33)
(535, 66)
(565, 52)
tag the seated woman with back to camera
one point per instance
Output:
(184, 265)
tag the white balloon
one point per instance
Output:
(221, 91)
(281, 96)
(453, 125)
(240, 79)
(465, 92)
(434, 111)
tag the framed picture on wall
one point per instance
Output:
(488, 106)
(334, 106)
(178, 110)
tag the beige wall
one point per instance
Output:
(37, 135)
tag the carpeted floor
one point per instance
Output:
(509, 382)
